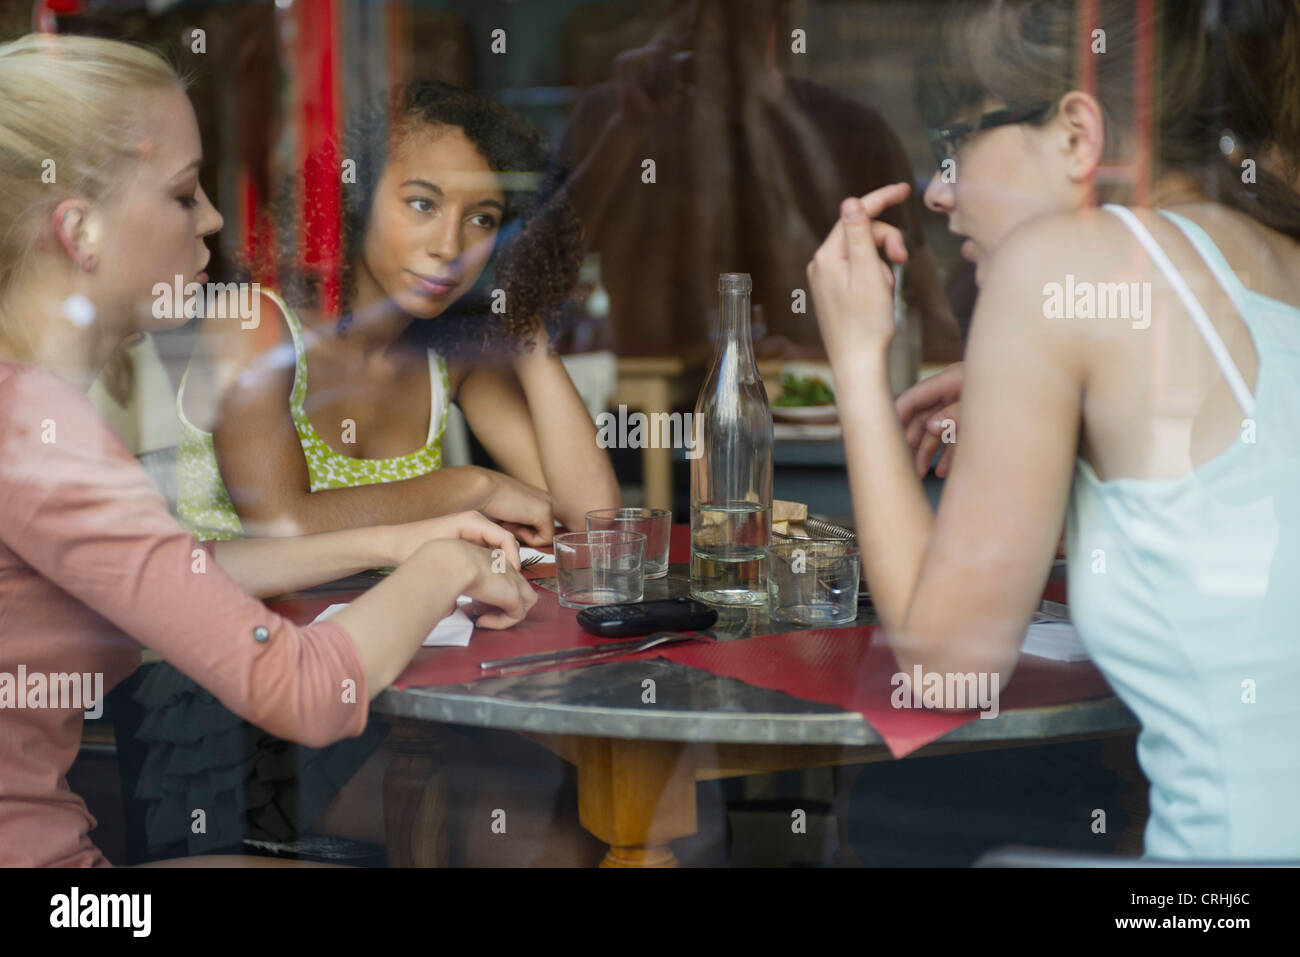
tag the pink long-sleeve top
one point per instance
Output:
(92, 566)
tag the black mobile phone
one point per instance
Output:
(633, 619)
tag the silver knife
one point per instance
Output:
(608, 649)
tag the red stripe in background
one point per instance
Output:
(318, 143)
(1142, 119)
(1087, 71)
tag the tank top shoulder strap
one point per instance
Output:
(1213, 258)
(439, 397)
(1222, 274)
(298, 395)
(290, 318)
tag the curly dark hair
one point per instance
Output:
(538, 249)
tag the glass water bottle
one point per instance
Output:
(731, 471)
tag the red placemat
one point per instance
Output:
(852, 668)
(679, 544)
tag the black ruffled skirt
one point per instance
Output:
(201, 757)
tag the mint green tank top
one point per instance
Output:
(1186, 594)
(203, 502)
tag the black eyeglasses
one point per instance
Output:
(947, 140)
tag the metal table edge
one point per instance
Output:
(848, 728)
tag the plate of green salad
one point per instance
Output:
(805, 396)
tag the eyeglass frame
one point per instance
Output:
(947, 140)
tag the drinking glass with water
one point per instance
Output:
(813, 581)
(655, 523)
(600, 567)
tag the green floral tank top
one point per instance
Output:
(204, 504)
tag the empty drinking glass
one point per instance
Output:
(813, 581)
(600, 567)
(655, 523)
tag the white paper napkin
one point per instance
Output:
(1056, 640)
(454, 631)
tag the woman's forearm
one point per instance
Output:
(893, 517)
(388, 623)
(265, 567)
(440, 492)
(578, 471)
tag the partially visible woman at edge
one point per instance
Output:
(449, 281)
(316, 433)
(92, 566)
(1165, 435)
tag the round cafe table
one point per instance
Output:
(638, 763)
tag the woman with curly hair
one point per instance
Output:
(449, 279)
(338, 424)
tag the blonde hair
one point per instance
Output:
(66, 128)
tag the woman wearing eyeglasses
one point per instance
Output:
(1162, 427)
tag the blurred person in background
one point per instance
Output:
(750, 165)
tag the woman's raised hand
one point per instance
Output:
(929, 413)
(852, 287)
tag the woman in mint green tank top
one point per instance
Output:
(307, 423)
(1136, 372)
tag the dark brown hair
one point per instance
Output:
(1225, 77)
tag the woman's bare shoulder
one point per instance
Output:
(1060, 281)
(1068, 241)
(227, 356)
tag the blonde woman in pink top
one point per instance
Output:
(99, 200)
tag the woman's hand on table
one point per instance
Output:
(523, 509)
(388, 623)
(502, 596)
(473, 527)
(928, 410)
(853, 289)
